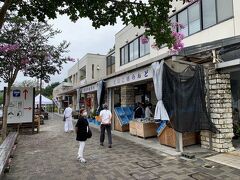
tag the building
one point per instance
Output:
(212, 38)
(88, 69)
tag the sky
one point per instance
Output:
(83, 39)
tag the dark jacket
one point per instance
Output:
(138, 112)
(82, 124)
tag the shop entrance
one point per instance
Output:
(235, 88)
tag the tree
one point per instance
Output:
(152, 15)
(47, 91)
(27, 83)
(24, 47)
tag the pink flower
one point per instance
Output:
(144, 39)
(8, 47)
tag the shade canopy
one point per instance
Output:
(45, 100)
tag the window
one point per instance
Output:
(111, 64)
(194, 18)
(173, 21)
(126, 54)
(144, 48)
(224, 9)
(183, 19)
(134, 50)
(92, 71)
(209, 13)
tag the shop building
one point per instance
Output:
(212, 39)
(86, 70)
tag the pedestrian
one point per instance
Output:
(148, 112)
(139, 111)
(81, 130)
(68, 125)
(105, 116)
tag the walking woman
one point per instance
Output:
(68, 125)
(81, 129)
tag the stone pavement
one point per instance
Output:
(51, 154)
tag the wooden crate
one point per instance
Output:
(117, 125)
(132, 128)
(168, 137)
(146, 129)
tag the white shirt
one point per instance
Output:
(68, 112)
(148, 112)
(106, 116)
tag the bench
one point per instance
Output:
(6, 150)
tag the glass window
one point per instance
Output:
(224, 9)
(173, 21)
(135, 49)
(131, 51)
(92, 71)
(125, 54)
(209, 13)
(122, 55)
(144, 48)
(194, 18)
(183, 19)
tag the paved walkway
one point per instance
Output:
(51, 155)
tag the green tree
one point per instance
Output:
(152, 15)
(27, 50)
(47, 91)
(27, 83)
(1, 97)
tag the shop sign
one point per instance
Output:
(89, 88)
(134, 76)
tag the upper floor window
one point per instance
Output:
(111, 64)
(194, 18)
(224, 9)
(134, 50)
(211, 11)
(183, 19)
(92, 71)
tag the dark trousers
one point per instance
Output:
(102, 136)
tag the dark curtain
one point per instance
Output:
(100, 95)
(184, 99)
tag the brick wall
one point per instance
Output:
(220, 112)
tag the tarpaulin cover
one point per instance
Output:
(100, 94)
(184, 99)
(160, 111)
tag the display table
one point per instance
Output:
(168, 137)
(142, 129)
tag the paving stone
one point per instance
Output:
(51, 154)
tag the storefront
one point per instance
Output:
(88, 99)
(137, 86)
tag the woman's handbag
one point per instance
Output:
(64, 119)
(89, 132)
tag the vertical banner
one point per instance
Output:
(20, 109)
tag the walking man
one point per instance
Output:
(106, 117)
(68, 126)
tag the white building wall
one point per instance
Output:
(225, 29)
(89, 59)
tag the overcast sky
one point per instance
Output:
(83, 39)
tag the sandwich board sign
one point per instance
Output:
(21, 105)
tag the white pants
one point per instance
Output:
(81, 149)
(68, 126)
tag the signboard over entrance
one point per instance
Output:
(20, 109)
(130, 77)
